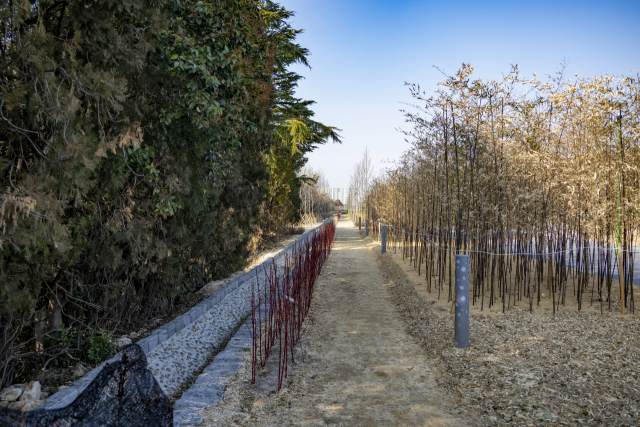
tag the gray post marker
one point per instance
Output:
(383, 239)
(359, 223)
(366, 227)
(462, 301)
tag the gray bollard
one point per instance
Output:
(359, 223)
(462, 301)
(383, 239)
(366, 227)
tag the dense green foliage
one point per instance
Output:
(144, 144)
(296, 132)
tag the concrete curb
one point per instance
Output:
(210, 385)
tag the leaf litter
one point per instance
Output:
(577, 368)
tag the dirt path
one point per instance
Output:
(360, 369)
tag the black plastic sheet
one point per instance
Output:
(124, 394)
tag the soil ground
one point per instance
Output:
(379, 351)
(524, 369)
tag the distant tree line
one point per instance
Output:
(316, 203)
(146, 146)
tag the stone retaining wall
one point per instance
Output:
(180, 348)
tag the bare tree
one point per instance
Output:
(361, 178)
(315, 195)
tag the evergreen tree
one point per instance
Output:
(140, 142)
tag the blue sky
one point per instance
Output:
(362, 52)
